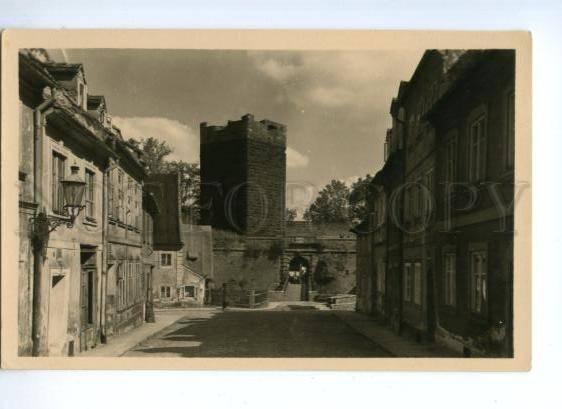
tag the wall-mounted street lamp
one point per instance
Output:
(73, 192)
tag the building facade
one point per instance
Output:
(475, 122)
(81, 276)
(448, 190)
(60, 310)
(181, 268)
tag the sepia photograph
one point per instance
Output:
(269, 202)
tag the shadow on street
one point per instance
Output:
(298, 333)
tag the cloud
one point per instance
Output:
(277, 69)
(295, 159)
(359, 80)
(182, 139)
(350, 180)
(330, 97)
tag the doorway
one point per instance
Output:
(88, 279)
(298, 279)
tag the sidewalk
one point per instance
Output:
(118, 345)
(388, 340)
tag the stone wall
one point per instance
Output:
(248, 261)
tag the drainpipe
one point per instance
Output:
(41, 284)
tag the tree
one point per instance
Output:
(331, 205)
(358, 197)
(290, 215)
(190, 186)
(154, 153)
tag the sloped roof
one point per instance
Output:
(165, 189)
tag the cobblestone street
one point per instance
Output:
(300, 332)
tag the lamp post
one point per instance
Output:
(42, 225)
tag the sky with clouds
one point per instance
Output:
(335, 103)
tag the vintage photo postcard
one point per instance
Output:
(253, 199)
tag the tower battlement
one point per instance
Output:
(245, 128)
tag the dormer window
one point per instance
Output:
(82, 97)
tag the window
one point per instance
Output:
(57, 175)
(137, 206)
(449, 279)
(420, 202)
(120, 204)
(417, 284)
(129, 209)
(130, 284)
(428, 193)
(381, 276)
(120, 286)
(189, 291)
(411, 202)
(510, 134)
(110, 201)
(82, 95)
(478, 282)
(90, 194)
(407, 282)
(477, 150)
(166, 259)
(451, 160)
(165, 291)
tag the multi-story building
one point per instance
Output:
(124, 304)
(149, 260)
(81, 277)
(447, 185)
(419, 252)
(176, 278)
(60, 307)
(474, 121)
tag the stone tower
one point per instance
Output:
(243, 167)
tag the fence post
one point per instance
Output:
(252, 298)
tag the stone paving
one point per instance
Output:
(120, 344)
(282, 329)
(295, 330)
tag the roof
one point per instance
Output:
(94, 102)
(40, 72)
(453, 76)
(165, 189)
(64, 71)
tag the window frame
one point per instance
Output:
(451, 158)
(477, 159)
(165, 292)
(450, 278)
(381, 277)
(194, 292)
(417, 284)
(58, 165)
(163, 256)
(120, 195)
(90, 194)
(478, 284)
(407, 273)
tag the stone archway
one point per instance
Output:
(299, 266)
